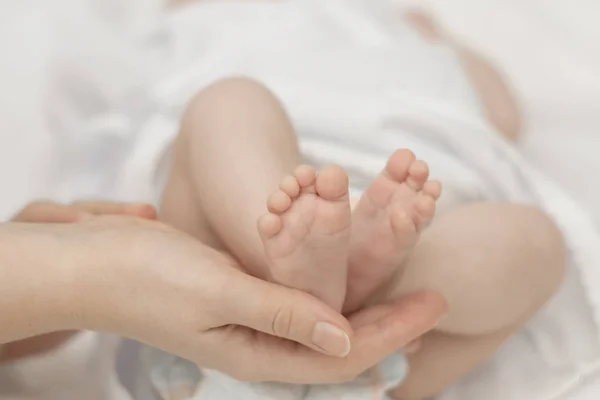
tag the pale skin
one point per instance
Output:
(109, 267)
(473, 255)
(50, 212)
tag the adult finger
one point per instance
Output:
(141, 210)
(395, 325)
(406, 319)
(287, 313)
(413, 347)
(46, 211)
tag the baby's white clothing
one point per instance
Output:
(81, 368)
(357, 83)
(356, 64)
(321, 59)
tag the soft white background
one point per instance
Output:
(36, 38)
(550, 49)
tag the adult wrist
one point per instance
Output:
(37, 276)
(104, 277)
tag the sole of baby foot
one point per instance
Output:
(387, 221)
(306, 233)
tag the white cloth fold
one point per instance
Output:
(82, 368)
(358, 84)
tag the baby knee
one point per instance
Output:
(229, 94)
(548, 248)
(228, 97)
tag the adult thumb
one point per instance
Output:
(289, 314)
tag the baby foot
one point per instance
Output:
(306, 233)
(387, 221)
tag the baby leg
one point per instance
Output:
(236, 148)
(496, 264)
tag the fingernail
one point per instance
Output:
(439, 321)
(331, 339)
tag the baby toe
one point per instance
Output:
(417, 175)
(279, 202)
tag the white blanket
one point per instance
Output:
(369, 115)
(564, 335)
(549, 51)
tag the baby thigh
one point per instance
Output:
(496, 264)
(235, 145)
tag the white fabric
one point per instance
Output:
(350, 112)
(37, 41)
(82, 368)
(546, 52)
(549, 51)
(169, 374)
(314, 52)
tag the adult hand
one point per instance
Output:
(147, 281)
(166, 289)
(44, 211)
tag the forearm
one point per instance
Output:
(36, 280)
